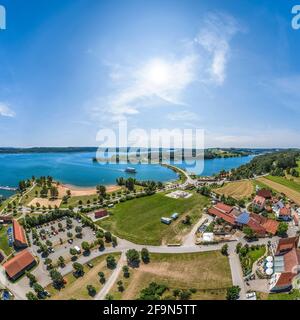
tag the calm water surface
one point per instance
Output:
(78, 169)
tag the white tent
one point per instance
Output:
(269, 271)
(269, 265)
(270, 259)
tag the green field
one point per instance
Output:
(4, 241)
(207, 272)
(138, 220)
(293, 295)
(281, 180)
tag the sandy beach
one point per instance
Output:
(82, 191)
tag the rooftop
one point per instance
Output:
(18, 263)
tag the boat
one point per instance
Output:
(130, 170)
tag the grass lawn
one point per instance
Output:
(76, 287)
(207, 272)
(293, 295)
(238, 190)
(138, 220)
(4, 241)
(30, 195)
(251, 257)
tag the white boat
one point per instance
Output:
(130, 170)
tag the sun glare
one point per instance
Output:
(158, 73)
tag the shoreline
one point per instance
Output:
(84, 191)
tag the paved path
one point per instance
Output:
(112, 279)
(189, 239)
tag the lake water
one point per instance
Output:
(78, 169)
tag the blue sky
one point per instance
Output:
(69, 68)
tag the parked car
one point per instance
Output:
(90, 265)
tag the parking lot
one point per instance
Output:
(61, 242)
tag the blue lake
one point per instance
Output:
(78, 169)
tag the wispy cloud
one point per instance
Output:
(5, 111)
(214, 37)
(184, 115)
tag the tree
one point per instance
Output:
(145, 255)
(114, 241)
(282, 229)
(78, 229)
(78, 269)
(101, 244)
(238, 248)
(73, 252)
(61, 261)
(102, 190)
(53, 192)
(91, 290)
(233, 293)
(111, 262)
(133, 258)
(85, 246)
(108, 236)
(39, 290)
(224, 250)
(31, 277)
(31, 296)
(248, 232)
(126, 273)
(102, 277)
(120, 286)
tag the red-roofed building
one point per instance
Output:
(286, 264)
(259, 203)
(270, 226)
(19, 235)
(265, 193)
(16, 266)
(101, 214)
(285, 214)
(226, 217)
(223, 207)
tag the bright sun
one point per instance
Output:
(157, 73)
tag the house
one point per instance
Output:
(219, 213)
(277, 206)
(260, 225)
(101, 214)
(17, 266)
(265, 193)
(286, 265)
(285, 214)
(19, 235)
(258, 203)
(269, 225)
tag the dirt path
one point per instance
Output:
(290, 193)
(112, 279)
